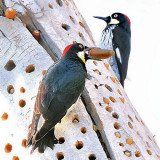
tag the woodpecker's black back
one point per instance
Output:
(119, 37)
(60, 88)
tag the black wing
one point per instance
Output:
(121, 41)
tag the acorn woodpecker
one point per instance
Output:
(61, 86)
(117, 36)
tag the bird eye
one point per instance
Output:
(80, 46)
(116, 15)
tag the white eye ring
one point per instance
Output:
(116, 15)
(80, 46)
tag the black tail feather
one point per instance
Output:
(49, 140)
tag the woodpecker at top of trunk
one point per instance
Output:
(117, 36)
(61, 86)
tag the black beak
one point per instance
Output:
(88, 56)
(106, 19)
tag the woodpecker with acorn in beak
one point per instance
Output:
(61, 86)
(117, 36)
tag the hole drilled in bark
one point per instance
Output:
(106, 65)
(130, 118)
(10, 89)
(50, 5)
(122, 99)
(30, 68)
(60, 155)
(22, 103)
(43, 72)
(81, 24)
(15, 158)
(129, 141)
(116, 125)
(66, 27)
(115, 115)
(112, 99)
(106, 100)
(10, 65)
(127, 153)
(118, 135)
(121, 144)
(4, 116)
(113, 79)
(61, 140)
(79, 144)
(24, 143)
(97, 71)
(92, 157)
(81, 35)
(96, 86)
(22, 90)
(108, 108)
(130, 125)
(75, 119)
(95, 63)
(72, 19)
(119, 92)
(108, 87)
(8, 148)
(59, 2)
(136, 118)
(83, 130)
(149, 152)
(137, 153)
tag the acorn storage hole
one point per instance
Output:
(59, 2)
(96, 86)
(95, 63)
(119, 92)
(130, 118)
(121, 144)
(10, 89)
(105, 100)
(44, 72)
(24, 143)
(60, 155)
(112, 99)
(81, 24)
(30, 68)
(10, 65)
(97, 71)
(66, 27)
(8, 148)
(108, 87)
(115, 115)
(22, 90)
(149, 152)
(136, 118)
(130, 125)
(81, 35)
(75, 119)
(127, 153)
(108, 108)
(79, 144)
(72, 19)
(4, 116)
(92, 157)
(22, 103)
(116, 125)
(137, 153)
(61, 140)
(50, 5)
(83, 130)
(118, 135)
(15, 158)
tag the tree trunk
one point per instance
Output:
(103, 123)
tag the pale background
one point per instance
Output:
(143, 80)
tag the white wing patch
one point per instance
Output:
(118, 55)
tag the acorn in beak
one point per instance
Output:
(98, 53)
